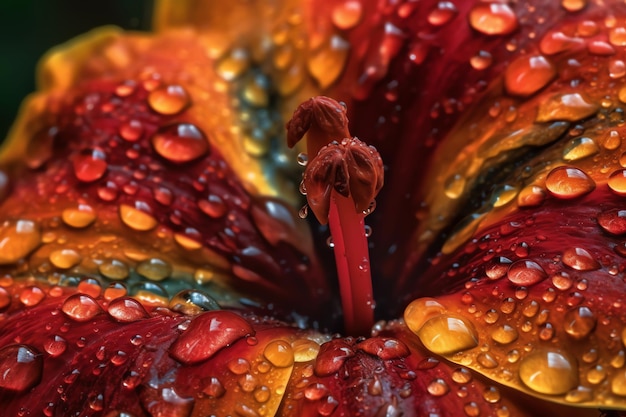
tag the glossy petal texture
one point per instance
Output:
(121, 148)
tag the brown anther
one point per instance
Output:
(323, 118)
(351, 168)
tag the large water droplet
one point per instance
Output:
(579, 322)
(81, 216)
(571, 107)
(90, 165)
(443, 12)
(207, 334)
(81, 307)
(64, 258)
(579, 259)
(192, 302)
(279, 353)
(127, 310)
(20, 367)
(154, 269)
(169, 100)
(421, 310)
(347, 14)
(446, 334)
(493, 18)
(569, 182)
(180, 142)
(55, 346)
(137, 217)
(526, 273)
(613, 221)
(528, 74)
(579, 148)
(114, 269)
(332, 356)
(617, 182)
(549, 372)
(18, 239)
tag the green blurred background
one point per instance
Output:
(28, 28)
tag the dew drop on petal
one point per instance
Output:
(180, 143)
(617, 182)
(81, 216)
(154, 269)
(526, 273)
(81, 307)
(579, 259)
(18, 239)
(131, 130)
(443, 12)
(136, 218)
(207, 334)
(528, 74)
(114, 269)
(493, 18)
(31, 296)
(531, 196)
(580, 148)
(304, 350)
(438, 387)
(21, 367)
(192, 302)
(64, 258)
(347, 14)
(613, 221)
(579, 322)
(55, 346)
(446, 334)
(169, 100)
(127, 310)
(421, 310)
(279, 353)
(90, 165)
(571, 107)
(549, 372)
(568, 182)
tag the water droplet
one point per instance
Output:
(115, 290)
(347, 14)
(562, 281)
(461, 376)
(233, 64)
(154, 269)
(573, 5)
(446, 334)
(579, 259)
(20, 367)
(315, 391)
(127, 310)
(138, 217)
(486, 360)
(454, 186)
(531, 196)
(328, 62)
(213, 206)
(169, 100)
(81, 216)
(180, 142)
(421, 310)
(40, 146)
(617, 36)
(114, 269)
(302, 160)
(55, 346)
(579, 322)
(279, 353)
(81, 307)
(131, 130)
(617, 182)
(504, 334)
(214, 388)
(304, 350)
(528, 74)
(18, 239)
(481, 60)
(526, 273)
(471, 409)
(90, 165)
(503, 195)
(549, 372)
(438, 387)
(150, 293)
(613, 221)
(207, 334)
(568, 182)
(579, 148)
(493, 18)
(192, 302)
(555, 42)
(571, 107)
(31, 296)
(385, 348)
(442, 13)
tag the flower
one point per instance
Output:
(154, 264)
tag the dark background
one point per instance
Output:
(28, 28)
